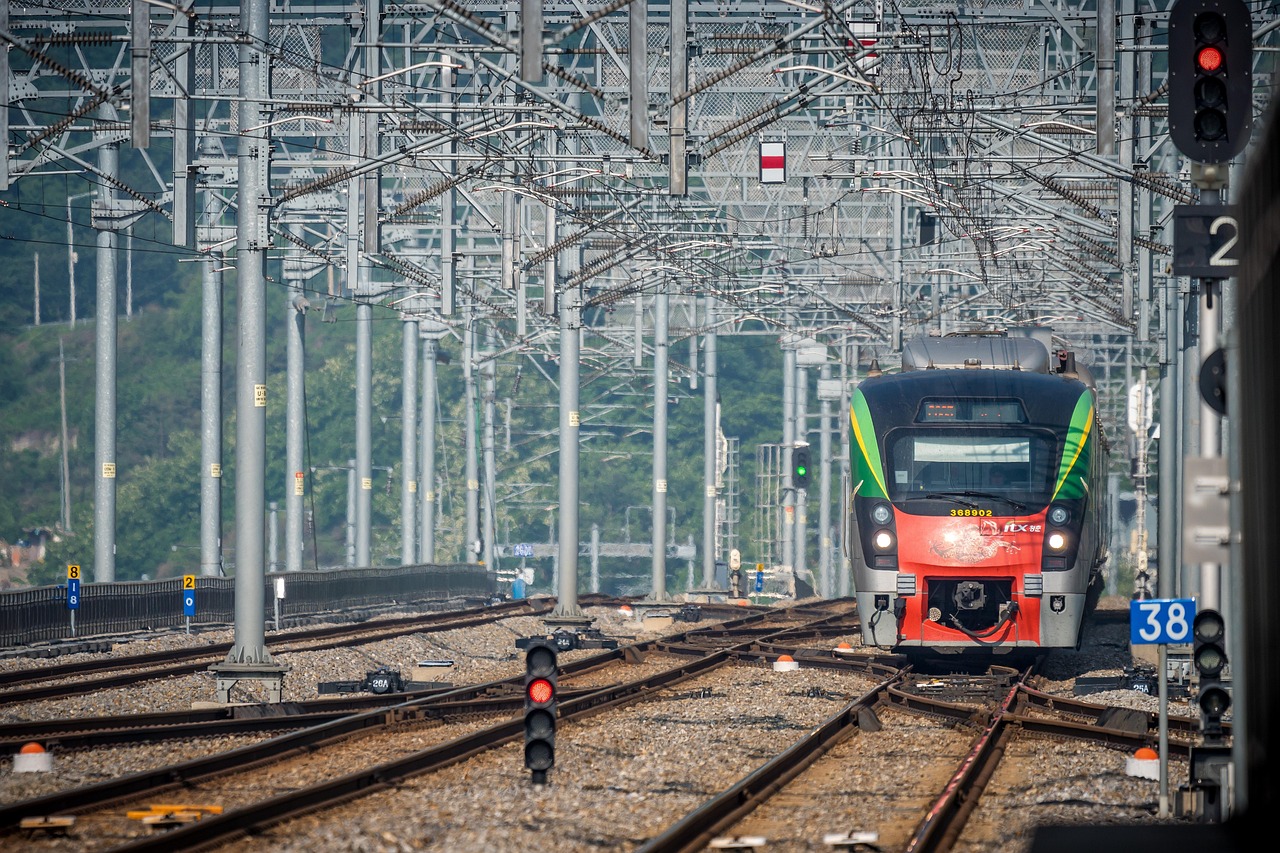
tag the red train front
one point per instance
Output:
(976, 502)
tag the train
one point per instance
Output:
(977, 514)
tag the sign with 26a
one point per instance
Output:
(1156, 621)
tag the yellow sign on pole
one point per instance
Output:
(73, 572)
(188, 581)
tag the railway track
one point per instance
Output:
(943, 735)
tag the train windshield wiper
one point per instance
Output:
(942, 497)
(1018, 505)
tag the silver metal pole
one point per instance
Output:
(638, 66)
(427, 552)
(662, 307)
(824, 493)
(408, 442)
(251, 315)
(710, 396)
(295, 408)
(786, 556)
(489, 394)
(211, 400)
(471, 451)
(364, 431)
(566, 566)
(801, 560)
(104, 503)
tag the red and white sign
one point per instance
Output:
(773, 162)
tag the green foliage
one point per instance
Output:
(158, 437)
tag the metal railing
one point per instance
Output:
(41, 614)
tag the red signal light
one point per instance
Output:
(541, 691)
(1209, 59)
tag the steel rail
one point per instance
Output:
(258, 755)
(696, 829)
(220, 829)
(533, 607)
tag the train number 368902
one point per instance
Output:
(971, 512)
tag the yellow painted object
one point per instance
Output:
(53, 824)
(168, 819)
(163, 815)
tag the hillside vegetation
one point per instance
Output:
(158, 443)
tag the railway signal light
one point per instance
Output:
(540, 708)
(1210, 658)
(800, 467)
(1210, 78)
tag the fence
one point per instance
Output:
(41, 613)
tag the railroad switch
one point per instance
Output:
(565, 640)
(382, 680)
(857, 841)
(165, 816)
(55, 825)
(737, 842)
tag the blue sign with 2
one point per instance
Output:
(1161, 620)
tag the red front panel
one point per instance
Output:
(970, 548)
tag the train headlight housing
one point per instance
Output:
(1056, 541)
(881, 513)
(1059, 515)
(883, 540)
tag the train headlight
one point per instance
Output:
(881, 513)
(883, 540)
(1058, 515)
(1056, 541)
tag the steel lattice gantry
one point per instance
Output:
(478, 166)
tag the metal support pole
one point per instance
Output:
(295, 484)
(677, 158)
(211, 402)
(566, 566)
(801, 560)
(251, 310)
(786, 555)
(824, 493)
(662, 308)
(104, 502)
(488, 507)
(710, 399)
(364, 432)
(471, 440)
(430, 343)
(638, 66)
(351, 513)
(408, 441)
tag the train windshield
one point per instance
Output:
(1017, 465)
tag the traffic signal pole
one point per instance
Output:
(1210, 121)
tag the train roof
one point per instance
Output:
(1023, 350)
